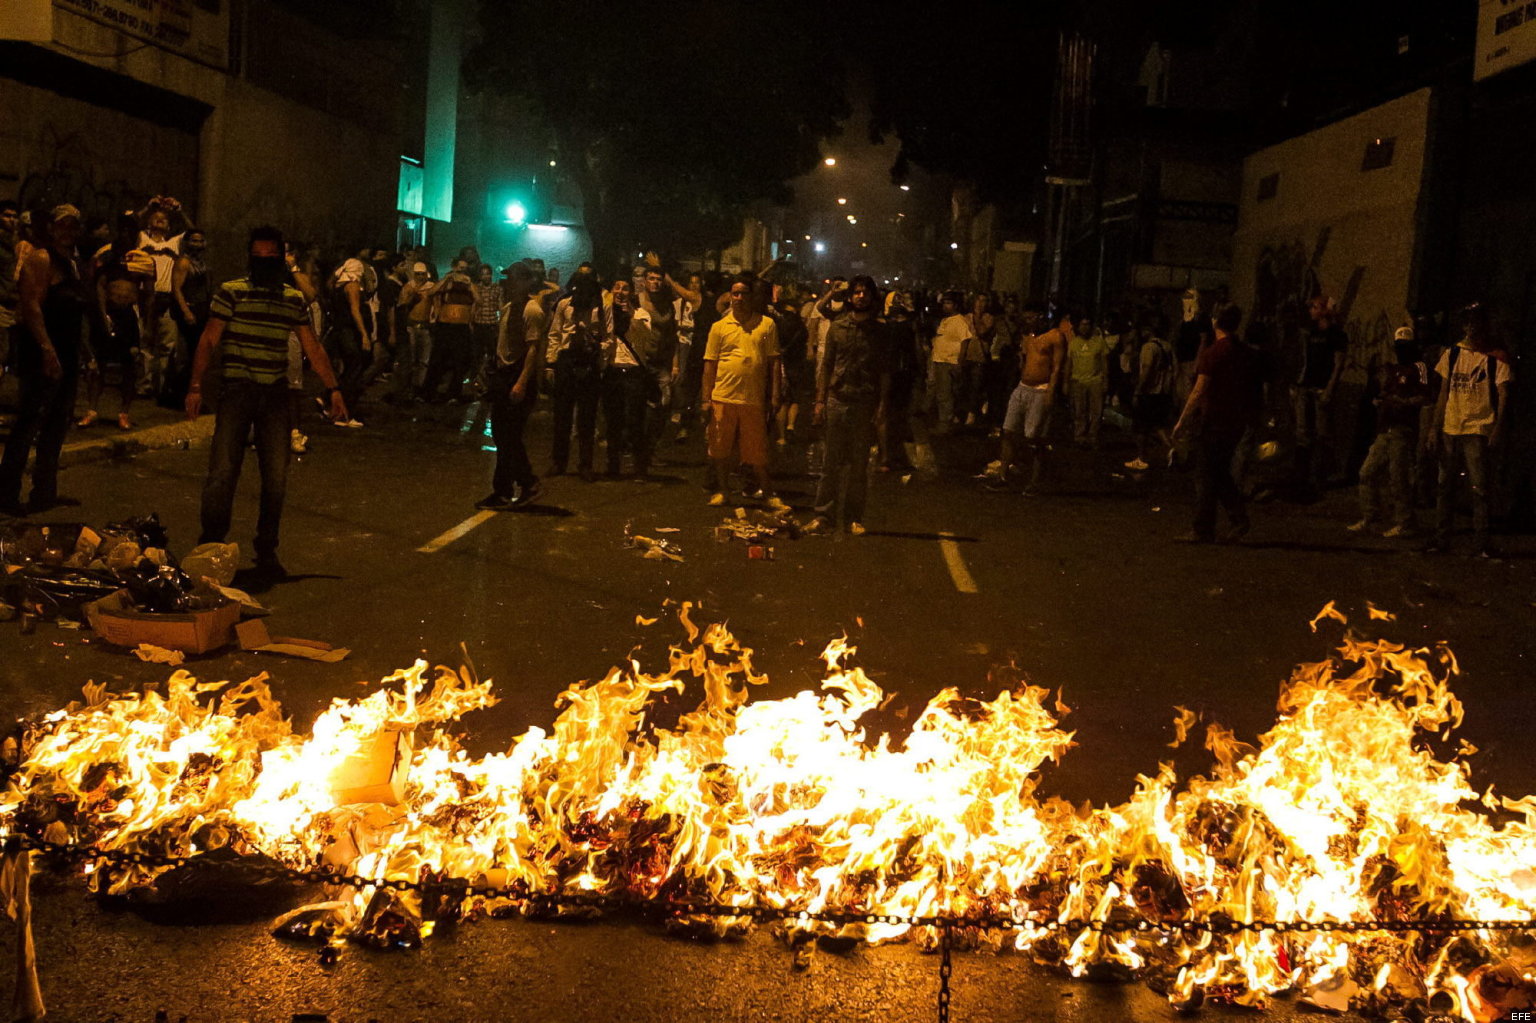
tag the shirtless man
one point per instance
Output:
(1041, 357)
(453, 337)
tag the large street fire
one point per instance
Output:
(1343, 811)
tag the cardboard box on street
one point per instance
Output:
(377, 772)
(117, 621)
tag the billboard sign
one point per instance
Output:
(1506, 36)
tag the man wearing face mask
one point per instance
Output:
(1406, 390)
(249, 320)
(853, 377)
(162, 240)
(1193, 336)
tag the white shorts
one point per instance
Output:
(1028, 411)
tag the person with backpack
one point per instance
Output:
(1468, 424)
(1152, 399)
(1405, 389)
(349, 339)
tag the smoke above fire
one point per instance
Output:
(1356, 806)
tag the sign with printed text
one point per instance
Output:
(193, 28)
(1506, 36)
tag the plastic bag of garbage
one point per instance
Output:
(216, 561)
(147, 529)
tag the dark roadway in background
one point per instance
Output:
(1085, 590)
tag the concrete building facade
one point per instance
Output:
(246, 116)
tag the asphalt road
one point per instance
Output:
(1084, 589)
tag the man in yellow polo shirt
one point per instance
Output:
(741, 388)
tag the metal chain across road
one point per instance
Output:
(945, 924)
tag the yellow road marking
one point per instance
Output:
(443, 540)
(956, 564)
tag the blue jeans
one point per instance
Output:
(244, 407)
(43, 415)
(848, 433)
(1469, 450)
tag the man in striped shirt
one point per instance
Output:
(249, 320)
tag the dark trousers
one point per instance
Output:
(1214, 483)
(453, 346)
(1457, 452)
(243, 407)
(626, 394)
(846, 437)
(345, 347)
(43, 415)
(508, 420)
(896, 429)
(578, 388)
(484, 361)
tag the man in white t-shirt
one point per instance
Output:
(160, 349)
(951, 343)
(1469, 419)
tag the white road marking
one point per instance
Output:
(443, 540)
(956, 564)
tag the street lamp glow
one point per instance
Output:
(821, 246)
(852, 219)
(516, 212)
(954, 245)
(906, 188)
(841, 201)
(830, 161)
(807, 237)
(551, 163)
(863, 245)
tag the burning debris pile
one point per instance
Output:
(1342, 812)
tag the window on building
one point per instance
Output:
(1269, 185)
(1378, 153)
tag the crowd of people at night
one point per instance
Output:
(99, 314)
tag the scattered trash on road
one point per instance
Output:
(151, 654)
(653, 549)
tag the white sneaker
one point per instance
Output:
(351, 424)
(1137, 465)
(1398, 531)
(775, 504)
(716, 500)
(856, 529)
(297, 442)
(1359, 527)
(994, 470)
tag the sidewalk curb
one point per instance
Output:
(180, 434)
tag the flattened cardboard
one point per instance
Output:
(253, 635)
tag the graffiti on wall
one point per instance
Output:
(67, 168)
(1287, 276)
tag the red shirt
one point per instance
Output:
(1234, 387)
